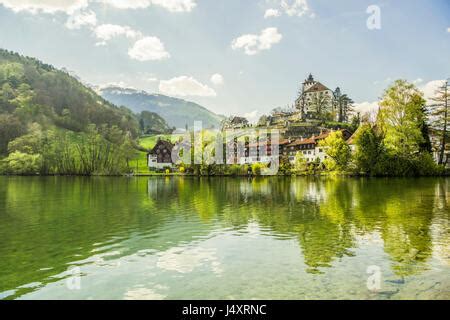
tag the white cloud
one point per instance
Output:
(171, 5)
(176, 5)
(217, 79)
(126, 4)
(253, 43)
(272, 13)
(148, 48)
(448, 30)
(429, 89)
(46, 6)
(295, 7)
(418, 80)
(366, 107)
(185, 86)
(81, 18)
(70, 6)
(106, 32)
(252, 116)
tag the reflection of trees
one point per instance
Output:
(50, 221)
(324, 215)
(441, 219)
(326, 234)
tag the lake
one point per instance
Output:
(224, 238)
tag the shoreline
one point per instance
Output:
(341, 175)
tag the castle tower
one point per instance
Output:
(309, 82)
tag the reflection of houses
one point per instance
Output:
(310, 147)
(161, 155)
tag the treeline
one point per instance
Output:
(152, 123)
(98, 151)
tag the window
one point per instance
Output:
(320, 150)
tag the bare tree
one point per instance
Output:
(440, 116)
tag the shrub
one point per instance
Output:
(256, 168)
(22, 163)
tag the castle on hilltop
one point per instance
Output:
(315, 100)
(316, 104)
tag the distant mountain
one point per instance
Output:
(177, 112)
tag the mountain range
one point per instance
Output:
(177, 112)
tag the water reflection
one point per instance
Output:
(325, 215)
(48, 224)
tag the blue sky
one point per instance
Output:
(176, 46)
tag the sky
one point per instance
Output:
(241, 57)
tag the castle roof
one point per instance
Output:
(317, 87)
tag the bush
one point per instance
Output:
(426, 166)
(22, 163)
(234, 170)
(256, 168)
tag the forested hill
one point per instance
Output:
(45, 110)
(35, 91)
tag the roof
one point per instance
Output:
(316, 88)
(313, 139)
(238, 120)
(302, 142)
(264, 143)
(167, 144)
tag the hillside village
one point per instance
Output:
(316, 114)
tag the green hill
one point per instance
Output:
(151, 123)
(52, 123)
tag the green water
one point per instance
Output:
(224, 238)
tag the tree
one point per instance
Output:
(337, 149)
(22, 163)
(400, 119)
(369, 148)
(262, 122)
(343, 105)
(355, 122)
(320, 103)
(10, 128)
(441, 116)
(300, 163)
